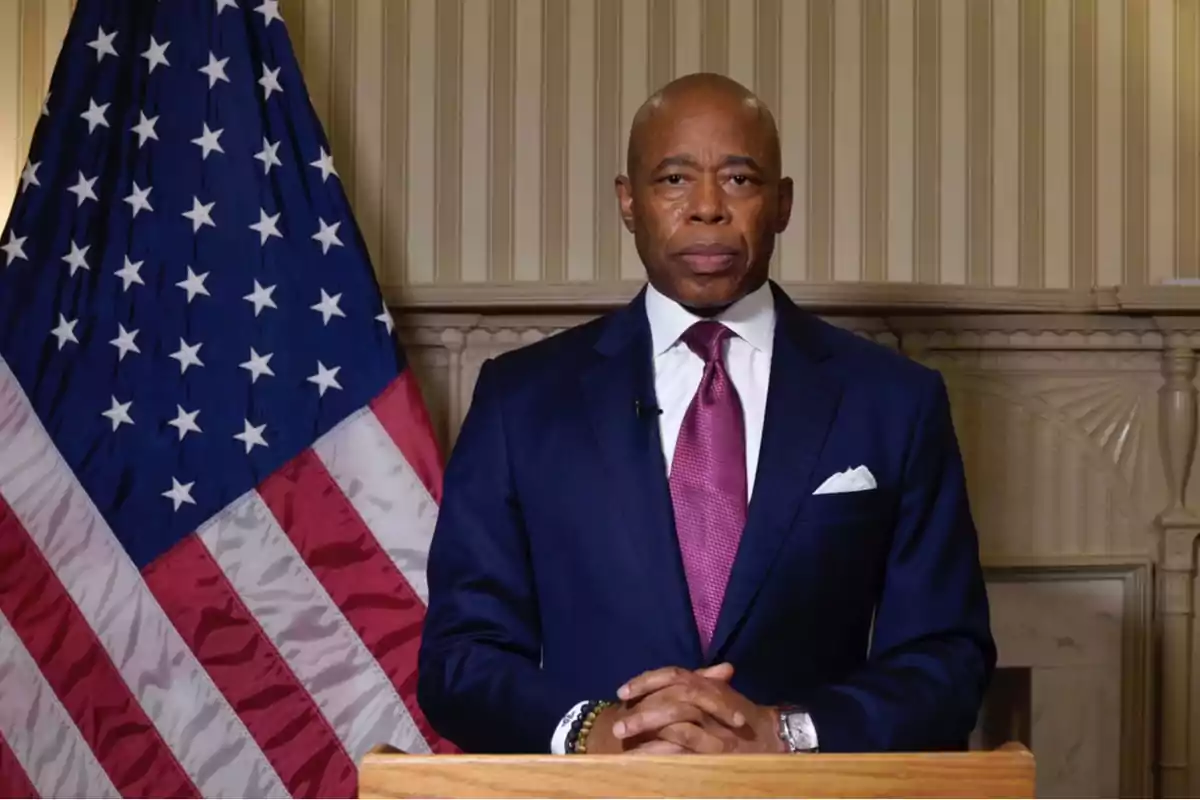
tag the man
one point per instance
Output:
(709, 521)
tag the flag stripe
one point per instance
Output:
(80, 672)
(305, 625)
(249, 671)
(356, 572)
(389, 497)
(193, 718)
(13, 780)
(402, 412)
(44, 740)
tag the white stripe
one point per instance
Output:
(308, 629)
(39, 731)
(191, 715)
(385, 491)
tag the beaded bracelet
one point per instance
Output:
(577, 738)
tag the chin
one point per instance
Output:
(710, 291)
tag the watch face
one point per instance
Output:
(796, 731)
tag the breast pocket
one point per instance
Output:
(864, 507)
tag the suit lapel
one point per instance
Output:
(621, 377)
(802, 402)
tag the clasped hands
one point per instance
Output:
(673, 710)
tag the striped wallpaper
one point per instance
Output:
(990, 143)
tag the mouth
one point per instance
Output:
(707, 259)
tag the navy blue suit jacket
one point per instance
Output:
(555, 574)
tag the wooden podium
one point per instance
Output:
(1006, 772)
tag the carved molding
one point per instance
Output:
(834, 296)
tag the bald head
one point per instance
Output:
(710, 90)
(704, 195)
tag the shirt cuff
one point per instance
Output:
(558, 742)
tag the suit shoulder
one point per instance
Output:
(867, 362)
(557, 356)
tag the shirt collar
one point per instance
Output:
(752, 318)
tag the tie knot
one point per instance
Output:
(705, 339)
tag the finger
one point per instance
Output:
(693, 738)
(649, 719)
(718, 672)
(658, 747)
(707, 696)
(652, 681)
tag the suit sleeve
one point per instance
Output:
(932, 652)
(480, 683)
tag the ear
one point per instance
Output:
(624, 188)
(786, 197)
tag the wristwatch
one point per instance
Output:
(796, 730)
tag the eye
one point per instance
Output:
(674, 179)
(741, 180)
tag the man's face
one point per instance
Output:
(704, 199)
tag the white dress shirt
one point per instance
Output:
(677, 374)
(677, 370)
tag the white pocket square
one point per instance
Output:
(858, 479)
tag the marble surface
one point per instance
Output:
(1067, 632)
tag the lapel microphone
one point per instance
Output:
(645, 410)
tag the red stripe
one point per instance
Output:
(75, 664)
(13, 780)
(357, 573)
(245, 666)
(401, 410)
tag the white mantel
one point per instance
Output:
(1078, 431)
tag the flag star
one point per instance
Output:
(46, 105)
(129, 273)
(77, 258)
(215, 69)
(125, 342)
(95, 115)
(145, 129)
(327, 236)
(269, 156)
(14, 248)
(185, 422)
(201, 214)
(83, 189)
(180, 493)
(187, 355)
(119, 413)
(325, 164)
(270, 81)
(386, 318)
(329, 306)
(29, 175)
(261, 298)
(103, 44)
(257, 365)
(139, 199)
(266, 226)
(208, 141)
(252, 435)
(65, 331)
(224, 4)
(325, 378)
(270, 11)
(194, 284)
(156, 54)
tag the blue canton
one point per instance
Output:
(184, 294)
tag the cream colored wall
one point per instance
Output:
(1005, 143)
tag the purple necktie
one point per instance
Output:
(708, 479)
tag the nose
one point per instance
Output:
(708, 202)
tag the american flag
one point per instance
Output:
(217, 477)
